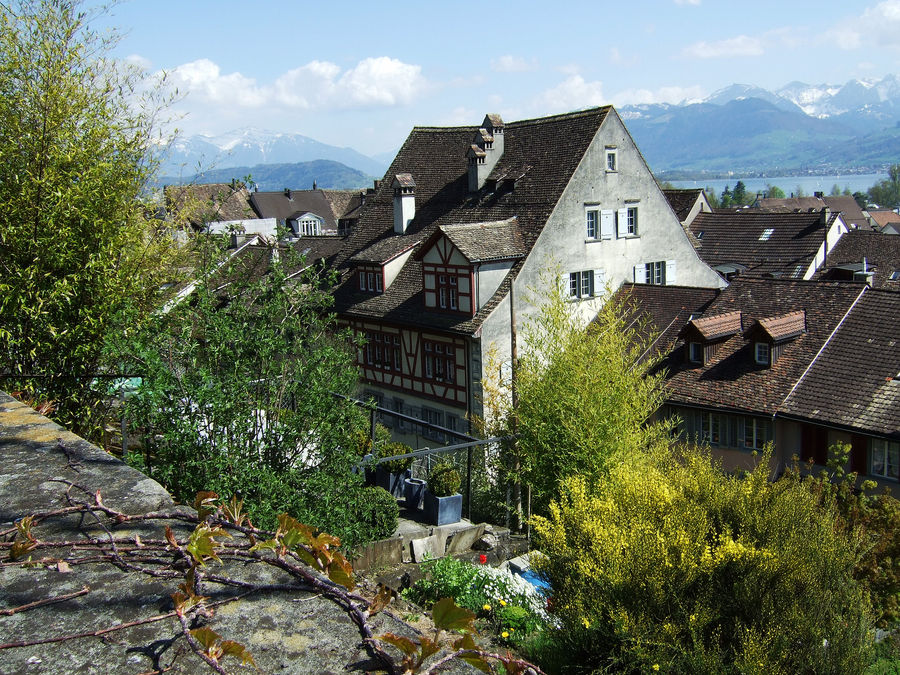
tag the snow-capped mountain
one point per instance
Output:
(253, 147)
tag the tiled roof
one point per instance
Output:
(282, 207)
(851, 214)
(343, 202)
(480, 242)
(880, 251)
(743, 237)
(682, 201)
(784, 326)
(855, 381)
(404, 180)
(315, 249)
(543, 153)
(717, 326)
(387, 249)
(732, 379)
(666, 310)
(201, 204)
(883, 216)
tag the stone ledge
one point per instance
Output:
(289, 631)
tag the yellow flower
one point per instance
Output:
(512, 630)
(502, 602)
(504, 634)
(655, 666)
(587, 624)
(487, 607)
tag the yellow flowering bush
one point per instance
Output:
(666, 561)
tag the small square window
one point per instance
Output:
(611, 160)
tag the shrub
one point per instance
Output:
(444, 480)
(667, 561)
(395, 465)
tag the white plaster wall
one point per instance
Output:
(563, 247)
(489, 277)
(264, 226)
(837, 229)
(392, 268)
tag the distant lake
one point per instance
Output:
(809, 184)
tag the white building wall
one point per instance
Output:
(835, 232)
(488, 278)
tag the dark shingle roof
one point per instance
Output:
(666, 309)
(732, 379)
(281, 206)
(880, 251)
(739, 238)
(541, 154)
(387, 249)
(855, 381)
(480, 242)
(682, 201)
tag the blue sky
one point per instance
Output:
(362, 74)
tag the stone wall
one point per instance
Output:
(44, 468)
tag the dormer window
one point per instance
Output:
(371, 280)
(695, 352)
(762, 353)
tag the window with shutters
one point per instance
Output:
(583, 284)
(722, 430)
(599, 223)
(658, 273)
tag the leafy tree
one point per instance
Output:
(727, 198)
(800, 192)
(774, 192)
(862, 199)
(238, 397)
(666, 563)
(75, 247)
(740, 193)
(886, 193)
(835, 190)
(585, 395)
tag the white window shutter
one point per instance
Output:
(622, 223)
(607, 230)
(671, 277)
(599, 282)
(640, 274)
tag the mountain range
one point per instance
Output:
(797, 129)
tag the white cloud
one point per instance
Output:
(742, 45)
(204, 80)
(878, 25)
(687, 2)
(378, 81)
(662, 95)
(574, 92)
(512, 64)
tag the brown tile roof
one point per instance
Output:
(202, 204)
(855, 381)
(883, 217)
(880, 251)
(405, 180)
(717, 326)
(682, 201)
(480, 242)
(739, 237)
(387, 249)
(732, 380)
(666, 310)
(541, 153)
(851, 213)
(343, 202)
(785, 326)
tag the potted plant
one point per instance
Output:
(392, 474)
(443, 503)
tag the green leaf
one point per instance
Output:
(232, 648)
(339, 575)
(202, 544)
(477, 662)
(448, 616)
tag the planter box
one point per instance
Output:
(392, 482)
(443, 510)
(415, 491)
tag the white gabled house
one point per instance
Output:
(465, 215)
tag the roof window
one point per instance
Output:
(766, 234)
